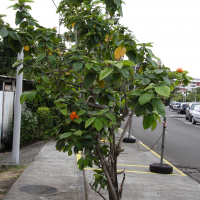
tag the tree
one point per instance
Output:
(89, 81)
(7, 59)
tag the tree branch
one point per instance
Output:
(121, 187)
(97, 192)
(93, 105)
(125, 129)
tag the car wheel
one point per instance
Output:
(186, 117)
(193, 121)
(129, 140)
(190, 118)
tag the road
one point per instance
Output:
(182, 141)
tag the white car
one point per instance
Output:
(196, 114)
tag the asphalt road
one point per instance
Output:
(182, 141)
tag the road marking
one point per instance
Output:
(133, 165)
(78, 156)
(139, 172)
(164, 160)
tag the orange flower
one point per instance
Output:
(73, 116)
(180, 70)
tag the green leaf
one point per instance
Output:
(172, 87)
(158, 71)
(89, 65)
(148, 121)
(111, 116)
(63, 111)
(105, 73)
(65, 135)
(98, 124)
(89, 79)
(119, 65)
(12, 34)
(18, 20)
(146, 97)
(49, 45)
(78, 121)
(77, 25)
(140, 109)
(23, 98)
(145, 81)
(52, 59)
(127, 63)
(153, 126)
(78, 145)
(48, 91)
(133, 56)
(159, 106)
(45, 79)
(163, 90)
(81, 112)
(89, 121)
(117, 2)
(136, 93)
(40, 57)
(79, 132)
(77, 66)
(30, 95)
(116, 76)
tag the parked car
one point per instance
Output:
(196, 114)
(182, 108)
(189, 111)
(171, 104)
(176, 105)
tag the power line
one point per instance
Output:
(54, 3)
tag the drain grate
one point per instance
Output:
(38, 189)
(189, 170)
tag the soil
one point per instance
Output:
(8, 176)
(9, 173)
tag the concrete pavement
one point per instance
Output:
(54, 176)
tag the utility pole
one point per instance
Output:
(17, 113)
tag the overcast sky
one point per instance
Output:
(172, 25)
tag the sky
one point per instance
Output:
(173, 26)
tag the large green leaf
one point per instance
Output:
(105, 73)
(133, 56)
(111, 116)
(159, 106)
(98, 124)
(65, 135)
(40, 57)
(89, 121)
(52, 59)
(77, 25)
(12, 34)
(148, 121)
(45, 79)
(63, 111)
(127, 63)
(146, 97)
(89, 79)
(145, 81)
(89, 65)
(117, 2)
(79, 133)
(77, 66)
(163, 90)
(140, 109)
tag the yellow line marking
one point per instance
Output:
(164, 160)
(78, 156)
(137, 172)
(120, 129)
(133, 165)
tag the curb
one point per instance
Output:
(81, 186)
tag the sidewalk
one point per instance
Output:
(54, 176)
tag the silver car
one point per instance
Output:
(189, 111)
(176, 105)
(196, 115)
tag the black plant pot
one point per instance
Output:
(162, 169)
(129, 140)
